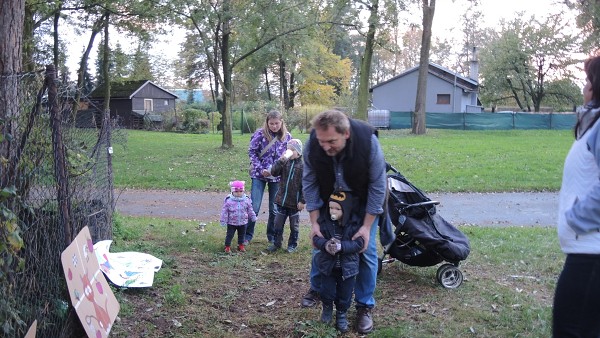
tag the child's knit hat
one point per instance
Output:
(237, 186)
(296, 144)
(344, 199)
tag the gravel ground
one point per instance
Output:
(483, 209)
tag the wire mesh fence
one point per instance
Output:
(56, 179)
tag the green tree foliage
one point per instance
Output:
(229, 32)
(562, 95)
(193, 67)
(588, 20)
(119, 65)
(322, 84)
(523, 58)
(141, 65)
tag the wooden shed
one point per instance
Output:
(135, 104)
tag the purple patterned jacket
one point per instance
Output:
(257, 143)
(237, 211)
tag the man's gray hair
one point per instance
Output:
(332, 117)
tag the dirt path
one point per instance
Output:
(489, 209)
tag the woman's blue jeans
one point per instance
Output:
(256, 195)
(367, 272)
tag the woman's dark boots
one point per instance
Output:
(341, 321)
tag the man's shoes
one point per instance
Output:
(241, 248)
(310, 299)
(364, 321)
(291, 249)
(272, 248)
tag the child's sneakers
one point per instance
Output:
(241, 248)
(291, 249)
(227, 249)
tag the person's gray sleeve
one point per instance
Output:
(584, 215)
(310, 187)
(377, 179)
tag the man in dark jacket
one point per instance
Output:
(343, 154)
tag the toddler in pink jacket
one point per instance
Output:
(237, 211)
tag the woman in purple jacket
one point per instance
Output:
(266, 146)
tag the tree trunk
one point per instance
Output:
(12, 14)
(365, 63)
(28, 44)
(266, 74)
(83, 64)
(292, 91)
(419, 124)
(106, 121)
(227, 125)
(283, 84)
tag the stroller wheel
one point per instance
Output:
(449, 276)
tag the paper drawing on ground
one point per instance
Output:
(127, 269)
(92, 298)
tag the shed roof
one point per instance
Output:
(440, 72)
(125, 89)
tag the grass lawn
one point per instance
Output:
(202, 292)
(442, 160)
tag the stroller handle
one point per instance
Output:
(421, 204)
(389, 167)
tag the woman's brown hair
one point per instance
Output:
(274, 114)
(591, 67)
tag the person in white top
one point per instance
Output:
(576, 311)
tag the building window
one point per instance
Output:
(443, 98)
(148, 106)
(166, 102)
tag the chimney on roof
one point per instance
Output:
(474, 66)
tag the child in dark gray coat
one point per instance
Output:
(338, 257)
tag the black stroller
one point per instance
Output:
(423, 238)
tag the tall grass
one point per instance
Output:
(441, 160)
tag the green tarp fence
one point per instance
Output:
(486, 121)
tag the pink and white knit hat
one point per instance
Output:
(237, 186)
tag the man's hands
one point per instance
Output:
(315, 229)
(365, 230)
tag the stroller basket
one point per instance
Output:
(423, 237)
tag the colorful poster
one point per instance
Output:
(91, 296)
(127, 269)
